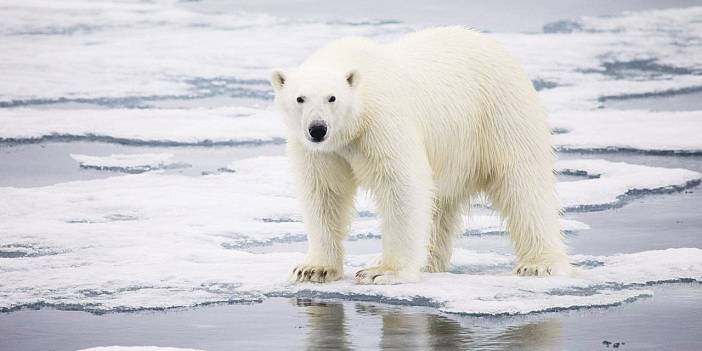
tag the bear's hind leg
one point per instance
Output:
(445, 227)
(532, 211)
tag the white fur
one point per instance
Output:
(424, 123)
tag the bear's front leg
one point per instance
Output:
(404, 197)
(327, 190)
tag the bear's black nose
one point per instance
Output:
(318, 130)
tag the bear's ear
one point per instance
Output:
(352, 77)
(278, 78)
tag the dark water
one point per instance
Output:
(669, 321)
(30, 165)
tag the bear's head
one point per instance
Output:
(320, 106)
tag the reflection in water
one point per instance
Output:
(326, 325)
(406, 329)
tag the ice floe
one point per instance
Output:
(611, 182)
(124, 51)
(156, 240)
(88, 50)
(199, 126)
(641, 131)
(134, 278)
(136, 348)
(577, 64)
(128, 163)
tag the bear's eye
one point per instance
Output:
(300, 99)
(332, 98)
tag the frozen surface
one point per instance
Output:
(610, 183)
(136, 348)
(204, 126)
(156, 240)
(632, 130)
(125, 50)
(207, 274)
(128, 163)
(115, 52)
(121, 55)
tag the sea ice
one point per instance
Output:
(157, 240)
(128, 163)
(643, 131)
(204, 126)
(136, 348)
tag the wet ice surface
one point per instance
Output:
(621, 91)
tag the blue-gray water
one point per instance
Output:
(668, 321)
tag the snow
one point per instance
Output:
(114, 63)
(129, 163)
(204, 273)
(99, 49)
(615, 180)
(611, 130)
(157, 240)
(205, 126)
(136, 348)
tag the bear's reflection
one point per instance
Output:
(330, 327)
(326, 325)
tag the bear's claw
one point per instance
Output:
(314, 273)
(540, 269)
(379, 276)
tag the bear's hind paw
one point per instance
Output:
(540, 269)
(379, 276)
(315, 274)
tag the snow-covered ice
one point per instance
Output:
(129, 278)
(204, 126)
(576, 62)
(636, 130)
(610, 183)
(128, 163)
(93, 50)
(136, 348)
(157, 240)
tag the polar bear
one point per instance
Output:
(423, 123)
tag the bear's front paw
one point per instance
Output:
(541, 269)
(383, 276)
(315, 273)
